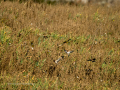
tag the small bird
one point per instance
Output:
(59, 59)
(66, 41)
(92, 60)
(68, 52)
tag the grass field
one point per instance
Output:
(33, 36)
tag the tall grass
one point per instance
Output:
(33, 36)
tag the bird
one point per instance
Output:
(92, 60)
(68, 52)
(59, 59)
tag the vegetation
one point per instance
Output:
(33, 36)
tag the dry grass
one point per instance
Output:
(33, 36)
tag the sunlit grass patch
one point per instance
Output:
(5, 36)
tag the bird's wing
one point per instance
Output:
(71, 51)
(58, 60)
(65, 51)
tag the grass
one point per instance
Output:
(33, 36)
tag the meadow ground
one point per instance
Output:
(33, 36)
